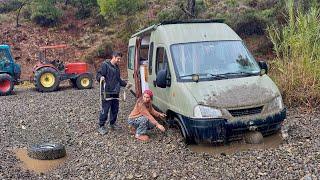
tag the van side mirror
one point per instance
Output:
(161, 80)
(263, 66)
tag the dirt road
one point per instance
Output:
(70, 117)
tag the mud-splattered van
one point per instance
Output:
(205, 79)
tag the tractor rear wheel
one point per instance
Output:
(6, 84)
(84, 81)
(46, 79)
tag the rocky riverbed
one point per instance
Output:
(70, 116)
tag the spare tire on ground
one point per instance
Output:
(47, 151)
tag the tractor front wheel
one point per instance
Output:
(46, 79)
(84, 81)
(6, 84)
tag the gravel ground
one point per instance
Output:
(70, 117)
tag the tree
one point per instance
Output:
(190, 10)
(191, 7)
(22, 3)
(45, 13)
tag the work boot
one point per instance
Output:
(103, 130)
(142, 137)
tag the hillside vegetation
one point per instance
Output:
(285, 32)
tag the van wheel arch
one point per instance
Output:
(183, 129)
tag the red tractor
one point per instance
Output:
(47, 75)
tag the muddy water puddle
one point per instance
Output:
(269, 142)
(38, 166)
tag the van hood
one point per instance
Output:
(234, 93)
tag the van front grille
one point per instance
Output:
(246, 112)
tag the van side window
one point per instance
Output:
(150, 58)
(131, 57)
(161, 59)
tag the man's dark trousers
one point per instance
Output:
(113, 106)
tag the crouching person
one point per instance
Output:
(141, 118)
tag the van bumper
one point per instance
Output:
(219, 130)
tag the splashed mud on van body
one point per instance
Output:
(239, 96)
(235, 93)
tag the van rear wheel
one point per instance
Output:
(184, 132)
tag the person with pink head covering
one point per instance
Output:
(141, 118)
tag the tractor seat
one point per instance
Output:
(59, 64)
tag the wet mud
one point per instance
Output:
(38, 166)
(269, 142)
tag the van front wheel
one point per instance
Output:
(185, 135)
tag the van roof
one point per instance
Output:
(174, 32)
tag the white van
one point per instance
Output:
(205, 79)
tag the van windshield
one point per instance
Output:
(216, 59)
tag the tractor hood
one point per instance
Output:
(234, 93)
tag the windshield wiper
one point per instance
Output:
(250, 73)
(216, 76)
(188, 75)
(240, 74)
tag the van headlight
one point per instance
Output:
(206, 112)
(275, 105)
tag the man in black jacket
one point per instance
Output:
(110, 72)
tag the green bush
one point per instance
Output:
(85, 8)
(131, 25)
(104, 50)
(44, 13)
(9, 6)
(171, 14)
(232, 3)
(113, 8)
(249, 24)
(100, 21)
(200, 7)
(83, 13)
(297, 66)
(26, 12)
(129, 7)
